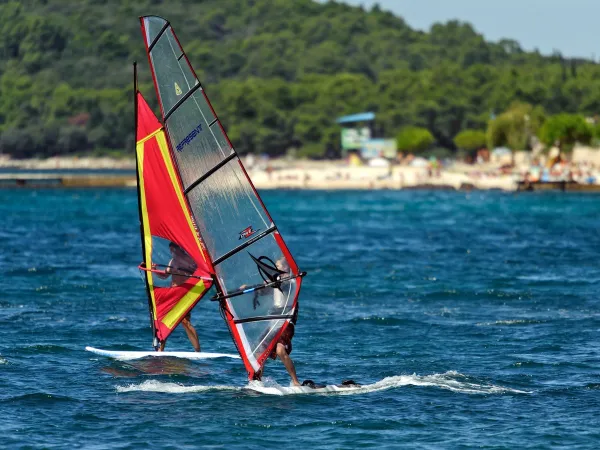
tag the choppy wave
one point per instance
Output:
(511, 322)
(451, 380)
(380, 320)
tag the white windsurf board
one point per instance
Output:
(287, 390)
(130, 355)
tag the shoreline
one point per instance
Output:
(276, 174)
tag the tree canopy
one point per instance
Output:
(470, 140)
(277, 71)
(414, 139)
(565, 130)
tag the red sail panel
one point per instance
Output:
(180, 272)
(241, 238)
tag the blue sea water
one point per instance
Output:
(473, 319)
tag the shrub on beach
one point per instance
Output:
(470, 140)
(311, 151)
(414, 139)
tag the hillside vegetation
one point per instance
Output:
(277, 71)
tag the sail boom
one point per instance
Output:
(256, 287)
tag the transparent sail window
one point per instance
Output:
(173, 263)
(272, 301)
(261, 262)
(260, 334)
(256, 264)
(174, 77)
(227, 210)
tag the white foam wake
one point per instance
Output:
(172, 388)
(452, 381)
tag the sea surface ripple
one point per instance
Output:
(472, 319)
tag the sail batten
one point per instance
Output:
(160, 33)
(241, 247)
(231, 156)
(240, 238)
(183, 99)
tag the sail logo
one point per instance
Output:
(189, 138)
(178, 90)
(247, 232)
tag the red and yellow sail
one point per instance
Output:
(166, 224)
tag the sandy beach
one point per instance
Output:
(338, 176)
(67, 163)
(307, 174)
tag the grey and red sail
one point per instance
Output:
(257, 279)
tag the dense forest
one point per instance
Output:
(277, 71)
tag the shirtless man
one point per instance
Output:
(179, 268)
(283, 348)
(282, 351)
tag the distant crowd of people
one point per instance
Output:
(559, 169)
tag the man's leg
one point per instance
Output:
(287, 362)
(191, 332)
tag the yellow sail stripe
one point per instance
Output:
(183, 305)
(145, 221)
(164, 148)
(150, 136)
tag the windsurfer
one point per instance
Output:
(283, 348)
(179, 268)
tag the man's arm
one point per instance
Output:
(167, 272)
(288, 363)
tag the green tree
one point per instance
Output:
(470, 140)
(566, 130)
(414, 139)
(597, 133)
(515, 127)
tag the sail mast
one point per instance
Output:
(138, 183)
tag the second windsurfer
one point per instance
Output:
(282, 349)
(179, 268)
